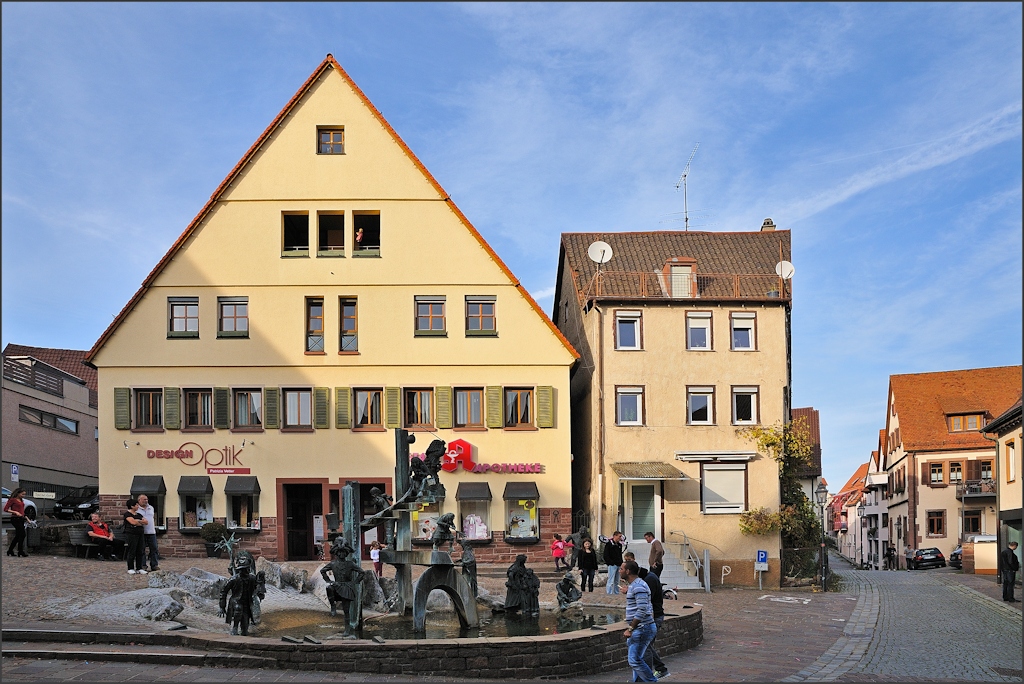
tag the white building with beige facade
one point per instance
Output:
(329, 292)
(684, 340)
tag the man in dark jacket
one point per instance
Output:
(613, 559)
(1008, 566)
(658, 605)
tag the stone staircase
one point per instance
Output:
(680, 573)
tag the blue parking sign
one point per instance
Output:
(762, 556)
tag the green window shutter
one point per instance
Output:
(545, 406)
(343, 407)
(444, 407)
(221, 408)
(495, 419)
(393, 398)
(172, 408)
(122, 408)
(270, 408)
(321, 404)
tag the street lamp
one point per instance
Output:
(821, 494)
(860, 532)
(899, 537)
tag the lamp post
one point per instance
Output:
(821, 494)
(860, 532)
(899, 537)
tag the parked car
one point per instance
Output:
(924, 558)
(30, 506)
(956, 557)
(79, 504)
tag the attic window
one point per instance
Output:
(367, 234)
(330, 140)
(967, 423)
(296, 235)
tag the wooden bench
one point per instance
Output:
(81, 540)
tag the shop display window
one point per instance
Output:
(522, 519)
(475, 517)
(244, 511)
(196, 511)
(424, 521)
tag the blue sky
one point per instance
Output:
(886, 136)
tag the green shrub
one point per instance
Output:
(212, 532)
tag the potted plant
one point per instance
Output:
(212, 532)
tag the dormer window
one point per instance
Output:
(966, 423)
(681, 276)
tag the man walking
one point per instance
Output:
(149, 533)
(1008, 567)
(613, 559)
(658, 608)
(640, 616)
(657, 553)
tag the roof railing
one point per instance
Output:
(27, 374)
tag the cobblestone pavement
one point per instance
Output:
(859, 634)
(920, 626)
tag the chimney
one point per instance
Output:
(767, 225)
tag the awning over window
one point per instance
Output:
(473, 491)
(148, 484)
(647, 471)
(521, 490)
(242, 484)
(195, 485)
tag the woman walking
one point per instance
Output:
(587, 559)
(134, 524)
(16, 507)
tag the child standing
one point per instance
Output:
(375, 548)
(558, 552)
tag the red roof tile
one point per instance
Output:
(68, 360)
(923, 400)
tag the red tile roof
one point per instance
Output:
(856, 481)
(328, 63)
(737, 253)
(810, 417)
(923, 400)
(68, 360)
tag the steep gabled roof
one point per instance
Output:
(71, 361)
(856, 481)
(924, 400)
(328, 63)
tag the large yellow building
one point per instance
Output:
(328, 292)
(684, 341)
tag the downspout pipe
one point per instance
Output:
(601, 437)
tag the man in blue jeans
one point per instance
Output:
(613, 559)
(149, 540)
(640, 616)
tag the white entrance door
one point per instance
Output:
(643, 511)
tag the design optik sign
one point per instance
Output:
(222, 461)
(460, 454)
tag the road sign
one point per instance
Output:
(761, 564)
(44, 495)
(14, 473)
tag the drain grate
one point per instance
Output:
(1007, 671)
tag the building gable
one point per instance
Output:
(426, 241)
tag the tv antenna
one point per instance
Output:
(682, 181)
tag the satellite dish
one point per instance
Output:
(600, 252)
(785, 270)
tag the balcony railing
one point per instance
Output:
(653, 285)
(976, 488)
(26, 374)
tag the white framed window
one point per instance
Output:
(745, 406)
(723, 488)
(744, 327)
(627, 330)
(700, 405)
(698, 330)
(629, 405)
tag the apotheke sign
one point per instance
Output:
(222, 461)
(460, 453)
